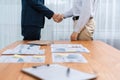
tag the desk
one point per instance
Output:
(103, 60)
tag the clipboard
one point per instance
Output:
(57, 72)
(41, 43)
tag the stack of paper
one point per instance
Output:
(76, 48)
(25, 49)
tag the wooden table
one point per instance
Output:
(103, 60)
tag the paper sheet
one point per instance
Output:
(22, 59)
(56, 48)
(25, 49)
(68, 57)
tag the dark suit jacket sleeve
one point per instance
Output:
(39, 7)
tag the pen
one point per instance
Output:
(41, 65)
(68, 72)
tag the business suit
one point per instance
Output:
(33, 18)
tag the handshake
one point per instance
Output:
(58, 17)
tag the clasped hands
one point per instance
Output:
(58, 17)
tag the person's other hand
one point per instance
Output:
(74, 36)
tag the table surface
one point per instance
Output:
(103, 60)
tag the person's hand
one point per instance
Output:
(58, 17)
(55, 17)
(74, 36)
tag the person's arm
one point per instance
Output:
(84, 15)
(39, 7)
(68, 13)
(85, 12)
(75, 10)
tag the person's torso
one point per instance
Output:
(30, 16)
(80, 5)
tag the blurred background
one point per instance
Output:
(107, 22)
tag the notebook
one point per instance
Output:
(57, 72)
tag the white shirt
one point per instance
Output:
(84, 9)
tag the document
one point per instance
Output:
(70, 48)
(22, 59)
(68, 57)
(57, 72)
(25, 49)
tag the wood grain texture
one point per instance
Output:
(103, 60)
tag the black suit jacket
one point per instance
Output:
(34, 13)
